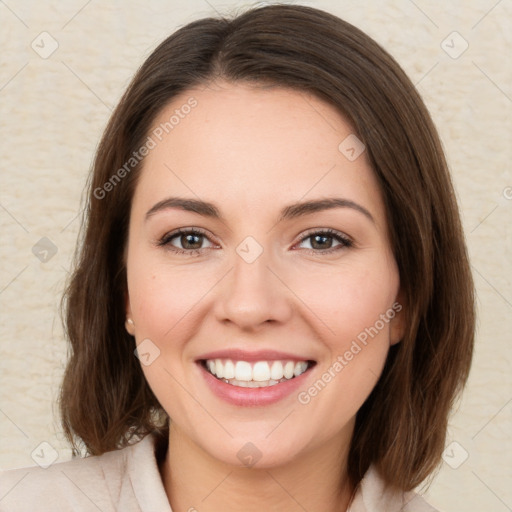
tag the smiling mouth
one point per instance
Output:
(257, 374)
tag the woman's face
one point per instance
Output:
(258, 249)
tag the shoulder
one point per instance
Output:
(75, 485)
(373, 495)
(104, 482)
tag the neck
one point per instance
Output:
(195, 481)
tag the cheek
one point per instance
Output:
(356, 303)
(358, 314)
(162, 296)
(351, 300)
(165, 301)
(342, 386)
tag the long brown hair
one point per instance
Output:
(401, 427)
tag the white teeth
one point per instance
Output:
(229, 370)
(288, 369)
(258, 374)
(243, 371)
(219, 369)
(261, 371)
(300, 367)
(276, 372)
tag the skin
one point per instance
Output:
(253, 150)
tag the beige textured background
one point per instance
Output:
(53, 110)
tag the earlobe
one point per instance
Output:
(396, 334)
(130, 326)
(398, 322)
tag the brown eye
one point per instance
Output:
(189, 241)
(325, 241)
(321, 242)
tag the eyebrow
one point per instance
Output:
(292, 211)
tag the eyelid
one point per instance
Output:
(183, 231)
(344, 240)
(342, 237)
(165, 240)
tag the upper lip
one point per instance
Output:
(257, 355)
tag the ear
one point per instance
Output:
(397, 323)
(129, 325)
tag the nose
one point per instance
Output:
(253, 295)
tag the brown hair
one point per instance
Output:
(401, 427)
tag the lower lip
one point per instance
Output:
(248, 397)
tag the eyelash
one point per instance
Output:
(343, 240)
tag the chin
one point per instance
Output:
(257, 451)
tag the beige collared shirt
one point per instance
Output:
(128, 480)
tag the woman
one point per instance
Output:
(272, 224)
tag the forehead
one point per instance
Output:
(246, 146)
